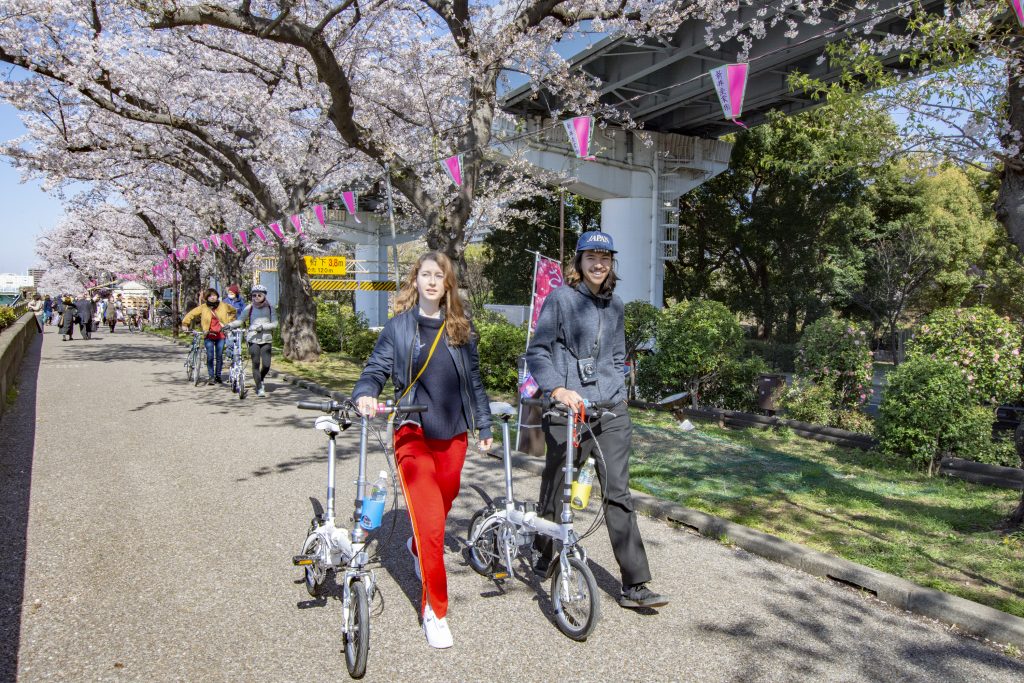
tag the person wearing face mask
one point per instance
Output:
(577, 353)
(259, 316)
(428, 351)
(214, 315)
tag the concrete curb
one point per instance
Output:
(14, 343)
(968, 616)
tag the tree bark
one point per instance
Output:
(1010, 202)
(297, 307)
(191, 285)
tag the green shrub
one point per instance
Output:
(693, 342)
(853, 420)
(984, 347)
(1001, 452)
(328, 325)
(927, 412)
(359, 344)
(835, 353)
(806, 401)
(735, 385)
(500, 344)
(7, 317)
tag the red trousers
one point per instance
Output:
(430, 471)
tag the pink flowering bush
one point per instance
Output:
(984, 347)
(834, 353)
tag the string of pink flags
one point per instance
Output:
(730, 82)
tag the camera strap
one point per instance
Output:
(597, 340)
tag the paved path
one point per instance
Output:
(162, 519)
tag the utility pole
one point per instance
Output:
(175, 316)
(561, 225)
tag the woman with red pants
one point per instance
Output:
(428, 350)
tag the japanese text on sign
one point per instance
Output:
(325, 265)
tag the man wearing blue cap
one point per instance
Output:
(577, 353)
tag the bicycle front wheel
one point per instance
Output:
(483, 554)
(190, 365)
(574, 599)
(357, 631)
(200, 362)
(241, 381)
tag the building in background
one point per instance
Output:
(12, 286)
(37, 275)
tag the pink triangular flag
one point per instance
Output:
(351, 204)
(206, 244)
(453, 167)
(579, 129)
(297, 222)
(183, 253)
(195, 248)
(319, 211)
(244, 236)
(229, 239)
(1018, 9)
(276, 229)
(259, 233)
(730, 81)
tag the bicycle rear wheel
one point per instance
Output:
(357, 631)
(577, 609)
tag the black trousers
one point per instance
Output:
(614, 435)
(260, 354)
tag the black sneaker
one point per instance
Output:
(218, 380)
(210, 382)
(639, 595)
(541, 566)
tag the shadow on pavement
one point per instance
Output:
(17, 443)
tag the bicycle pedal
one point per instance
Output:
(499, 576)
(302, 560)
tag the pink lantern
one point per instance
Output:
(453, 168)
(730, 81)
(579, 130)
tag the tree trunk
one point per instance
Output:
(191, 286)
(1010, 203)
(297, 307)
(231, 266)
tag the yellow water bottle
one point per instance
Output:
(581, 488)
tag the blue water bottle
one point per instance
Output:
(373, 504)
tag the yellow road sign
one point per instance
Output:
(351, 286)
(325, 265)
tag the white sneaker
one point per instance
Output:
(415, 560)
(436, 630)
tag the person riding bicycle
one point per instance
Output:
(577, 353)
(428, 350)
(213, 316)
(260, 317)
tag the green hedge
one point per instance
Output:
(500, 344)
(7, 317)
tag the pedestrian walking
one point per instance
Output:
(577, 353)
(48, 310)
(112, 313)
(428, 351)
(259, 316)
(36, 306)
(85, 312)
(234, 298)
(68, 315)
(213, 316)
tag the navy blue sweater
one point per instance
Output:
(438, 386)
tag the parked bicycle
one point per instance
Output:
(236, 373)
(132, 321)
(330, 549)
(504, 529)
(195, 359)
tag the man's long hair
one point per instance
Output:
(575, 275)
(457, 324)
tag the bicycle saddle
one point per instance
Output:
(328, 424)
(501, 409)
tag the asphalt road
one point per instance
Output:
(149, 525)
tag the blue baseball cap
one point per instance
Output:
(594, 240)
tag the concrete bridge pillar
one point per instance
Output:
(628, 221)
(373, 305)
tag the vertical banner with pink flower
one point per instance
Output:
(547, 276)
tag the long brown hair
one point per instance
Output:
(457, 324)
(575, 275)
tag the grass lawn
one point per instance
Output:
(936, 532)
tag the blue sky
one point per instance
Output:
(27, 210)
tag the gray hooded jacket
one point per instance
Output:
(573, 324)
(261, 320)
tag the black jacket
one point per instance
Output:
(393, 358)
(85, 309)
